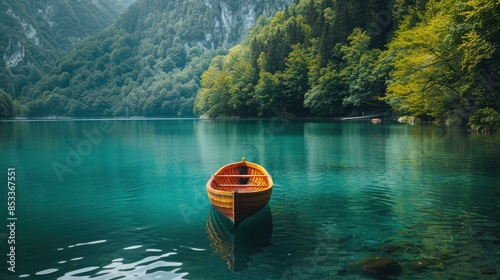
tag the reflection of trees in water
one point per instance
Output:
(237, 246)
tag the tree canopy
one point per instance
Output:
(314, 58)
(436, 60)
(445, 66)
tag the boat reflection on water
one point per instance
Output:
(236, 246)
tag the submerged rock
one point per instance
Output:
(488, 271)
(376, 266)
(497, 192)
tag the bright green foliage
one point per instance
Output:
(265, 93)
(426, 66)
(481, 42)
(295, 81)
(307, 62)
(349, 84)
(242, 76)
(226, 93)
(225, 85)
(360, 73)
(445, 66)
(326, 94)
(213, 98)
(481, 52)
(485, 120)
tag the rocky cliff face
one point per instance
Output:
(15, 49)
(36, 32)
(234, 21)
(207, 24)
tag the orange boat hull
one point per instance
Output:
(239, 190)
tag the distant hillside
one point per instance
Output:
(35, 34)
(149, 62)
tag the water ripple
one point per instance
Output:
(47, 271)
(133, 247)
(148, 268)
(84, 244)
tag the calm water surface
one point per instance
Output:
(125, 199)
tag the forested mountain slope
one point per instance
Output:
(148, 63)
(35, 34)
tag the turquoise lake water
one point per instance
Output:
(126, 199)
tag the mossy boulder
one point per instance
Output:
(376, 266)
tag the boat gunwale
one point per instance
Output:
(237, 164)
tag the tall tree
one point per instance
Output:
(426, 78)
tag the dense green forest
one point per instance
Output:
(147, 63)
(435, 60)
(314, 58)
(34, 35)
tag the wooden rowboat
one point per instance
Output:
(239, 190)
